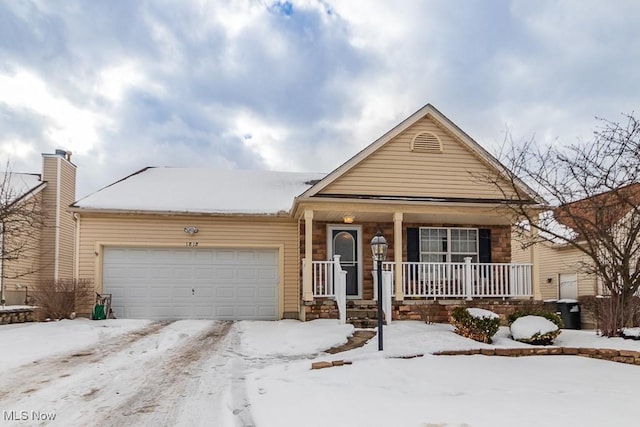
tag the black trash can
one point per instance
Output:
(569, 311)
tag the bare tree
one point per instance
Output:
(593, 190)
(21, 222)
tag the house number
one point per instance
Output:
(191, 244)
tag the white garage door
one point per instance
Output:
(231, 284)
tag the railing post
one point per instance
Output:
(374, 273)
(340, 288)
(387, 281)
(468, 278)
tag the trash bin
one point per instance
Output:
(569, 311)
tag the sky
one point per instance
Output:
(299, 85)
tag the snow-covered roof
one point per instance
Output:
(17, 185)
(194, 190)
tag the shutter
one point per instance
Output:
(484, 245)
(413, 244)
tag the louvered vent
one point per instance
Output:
(426, 142)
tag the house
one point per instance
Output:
(560, 270)
(38, 232)
(175, 243)
(563, 268)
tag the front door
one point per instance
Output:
(568, 286)
(345, 241)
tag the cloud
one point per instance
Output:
(299, 84)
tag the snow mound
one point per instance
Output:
(482, 313)
(527, 326)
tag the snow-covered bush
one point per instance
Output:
(535, 329)
(546, 314)
(475, 323)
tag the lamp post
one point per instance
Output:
(379, 249)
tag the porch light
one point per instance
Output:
(348, 218)
(379, 250)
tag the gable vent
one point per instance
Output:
(426, 142)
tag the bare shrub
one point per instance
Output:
(58, 299)
(612, 313)
(426, 312)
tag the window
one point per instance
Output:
(448, 244)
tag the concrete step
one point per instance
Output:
(362, 313)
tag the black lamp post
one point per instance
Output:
(379, 249)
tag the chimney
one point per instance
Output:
(64, 154)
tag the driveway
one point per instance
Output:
(168, 373)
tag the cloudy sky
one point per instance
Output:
(299, 85)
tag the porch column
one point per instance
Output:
(307, 291)
(535, 264)
(397, 254)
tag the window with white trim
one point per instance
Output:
(448, 244)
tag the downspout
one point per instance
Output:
(76, 247)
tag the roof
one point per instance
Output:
(194, 190)
(605, 209)
(17, 185)
(427, 110)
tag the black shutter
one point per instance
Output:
(413, 244)
(484, 245)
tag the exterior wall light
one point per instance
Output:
(191, 230)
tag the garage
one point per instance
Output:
(196, 283)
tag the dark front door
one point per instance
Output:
(345, 243)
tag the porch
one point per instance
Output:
(422, 281)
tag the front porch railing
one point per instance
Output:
(434, 279)
(329, 280)
(466, 280)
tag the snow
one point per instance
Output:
(19, 184)
(48, 339)
(568, 301)
(631, 332)
(259, 374)
(482, 313)
(202, 190)
(526, 327)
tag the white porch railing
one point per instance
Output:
(466, 280)
(387, 291)
(329, 280)
(428, 280)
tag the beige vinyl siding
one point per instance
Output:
(67, 224)
(59, 225)
(395, 170)
(555, 260)
(98, 231)
(49, 204)
(24, 270)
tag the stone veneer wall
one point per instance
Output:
(19, 315)
(438, 311)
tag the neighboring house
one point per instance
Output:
(562, 265)
(560, 273)
(38, 245)
(173, 243)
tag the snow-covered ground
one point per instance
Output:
(198, 372)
